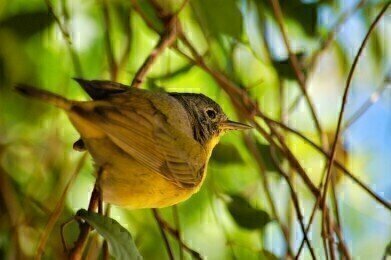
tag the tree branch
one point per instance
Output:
(344, 102)
(58, 209)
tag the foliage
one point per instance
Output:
(120, 241)
(234, 52)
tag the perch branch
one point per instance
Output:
(77, 251)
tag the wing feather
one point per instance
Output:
(143, 132)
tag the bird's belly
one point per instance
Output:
(127, 183)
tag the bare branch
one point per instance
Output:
(58, 209)
(77, 251)
(301, 80)
(344, 101)
(165, 226)
(337, 163)
(367, 104)
(261, 165)
(66, 35)
(165, 239)
(109, 48)
(166, 40)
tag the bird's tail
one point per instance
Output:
(44, 95)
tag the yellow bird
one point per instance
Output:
(153, 147)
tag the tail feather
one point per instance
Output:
(44, 95)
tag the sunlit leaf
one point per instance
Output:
(247, 216)
(219, 17)
(226, 153)
(121, 244)
(27, 24)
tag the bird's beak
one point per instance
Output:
(231, 125)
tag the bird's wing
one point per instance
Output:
(140, 129)
(101, 89)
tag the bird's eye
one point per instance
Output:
(211, 113)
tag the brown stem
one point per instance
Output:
(367, 104)
(344, 102)
(258, 158)
(165, 41)
(337, 163)
(77, 251)
(296, 204)
(165, 226)
(301, 80)
(57, 210)
(109, 48)
(175, 213)
(67, 37)
(165, 238)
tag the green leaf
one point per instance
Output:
(387, 251)
(284, 68)
(27, 24)
(219, 17)
(226, 153)
(305, 14)
(266, 153)
(119, 239)
(247, 216)
(267, 255)
(178, 72)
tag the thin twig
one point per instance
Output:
(58, 209)
(367, 104)
(330, 37)
(67, 37)
(125, 55)
(296, 204)
(77, 251)
(262, 170)
(163, 224)
(326, 42)
(301, 80)
(166, 40)
(175, 213)
(337, 163)
(109, 48)
(344, 102)
(165, 238)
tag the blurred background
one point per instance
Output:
(46, 43)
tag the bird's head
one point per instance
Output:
(208, 120)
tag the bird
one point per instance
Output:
(153, 146)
